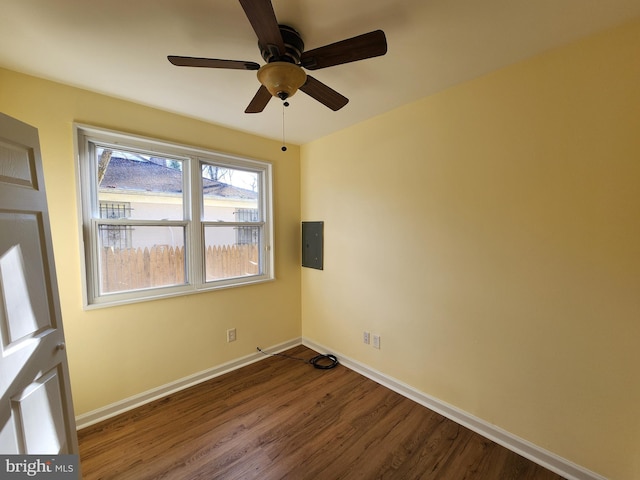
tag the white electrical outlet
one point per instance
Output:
(231, 335)
(376, 341)
(366, 338)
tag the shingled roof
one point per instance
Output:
(147, 176)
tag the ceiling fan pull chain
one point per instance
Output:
(284, 104)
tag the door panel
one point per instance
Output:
(36, 412)
(18, 164)
(23, 291)
(40, 413)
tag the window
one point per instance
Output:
(161, 219)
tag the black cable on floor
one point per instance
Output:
(321, 361)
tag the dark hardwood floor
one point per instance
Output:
(283, 419)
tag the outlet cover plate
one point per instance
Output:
(231, 335)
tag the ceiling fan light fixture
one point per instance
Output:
(282, 79)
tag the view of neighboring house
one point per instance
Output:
(150, 188)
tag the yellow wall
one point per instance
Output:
(491, 235)
(118, 352)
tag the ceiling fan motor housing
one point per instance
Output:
(294, 46)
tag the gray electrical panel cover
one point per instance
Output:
(312, 249)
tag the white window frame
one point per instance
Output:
(193, 158)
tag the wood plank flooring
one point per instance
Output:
(283, 419)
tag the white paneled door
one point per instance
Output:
(36, 413)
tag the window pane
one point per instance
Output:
(153, 256)
(151, 187)
(229, 195)
(226, 257)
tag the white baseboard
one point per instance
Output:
(122, 406)
(536, 454)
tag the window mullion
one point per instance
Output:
(196, 263)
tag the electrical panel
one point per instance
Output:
(312, 248)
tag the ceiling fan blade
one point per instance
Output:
(324, 94)
(259, 101)
(263, 20)
(368, 45)
(212, 63)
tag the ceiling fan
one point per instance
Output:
(283, 50)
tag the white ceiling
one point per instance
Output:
(119, 47)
